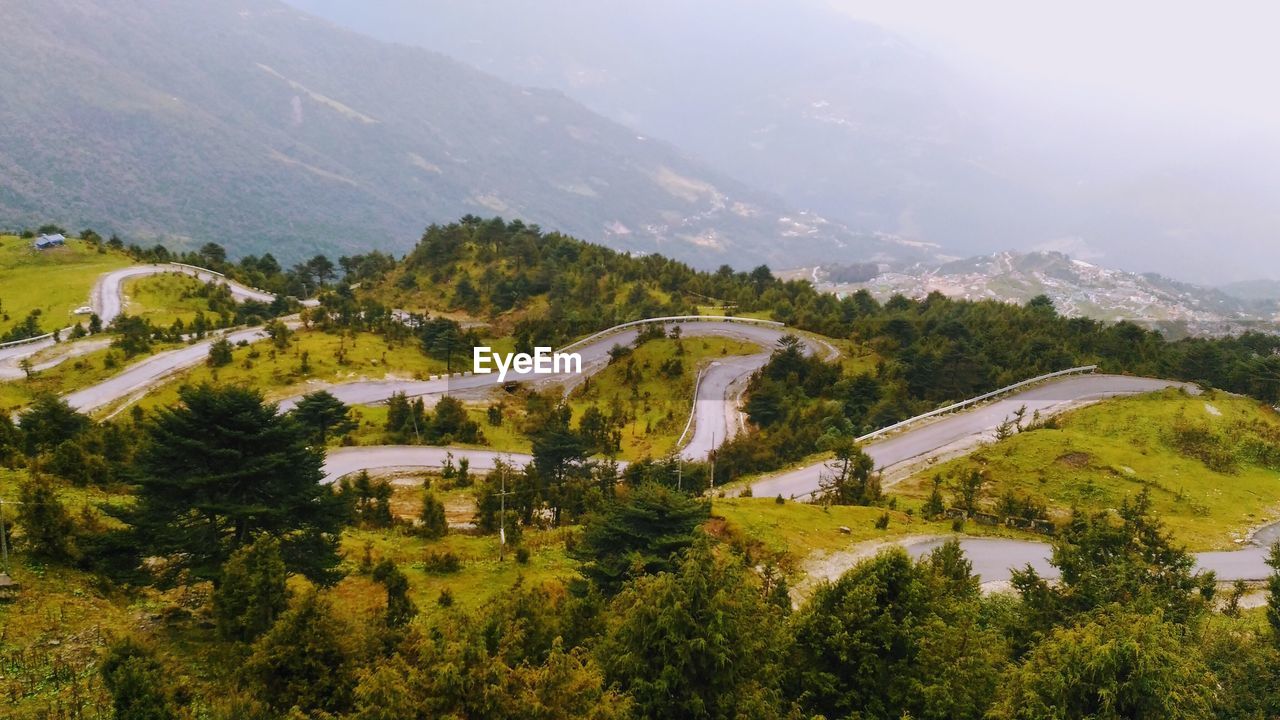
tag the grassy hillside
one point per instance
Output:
(1211, 463)
(652, 387)
(52, 636)
(310, 359)
(54, 281)
(162, 299)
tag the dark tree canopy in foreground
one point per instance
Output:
(221, 469)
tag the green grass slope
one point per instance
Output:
(54, 281)
(1211, 464)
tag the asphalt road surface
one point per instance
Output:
(993, 558)
(107, 300)
(146, 374)
(926, 438)
(716, 408)
(108, 293)
(341, 462)
(716, 417)
(717, 414)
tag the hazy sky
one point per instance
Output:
(1196, 61)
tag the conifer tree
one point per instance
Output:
(253, 591)
(46, 525)
(49, 422)
(324, 416)
(304, 660)
(639, 533)
(434, 524)
(400, 609)
(1273, 592)
(137, 683)
(701, 642)
(219, 353)
(223, 468)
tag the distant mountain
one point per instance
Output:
(253, 124)
(1077, 288)
(1254, 290)
(876, 131)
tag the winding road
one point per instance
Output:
(107, 300)
(716, 415)
(966, 429)
(993, 558)
(108, 293)
(715, 409)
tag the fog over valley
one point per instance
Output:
(1142, 138)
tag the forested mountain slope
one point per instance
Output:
(251, 124)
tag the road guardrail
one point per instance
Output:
(974, 401)
(30, 340)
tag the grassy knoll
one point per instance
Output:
(652, 388)
(69, 376)
(329, 358)
(792, 532)
(163, 298)
(1204, 459)
(481, 576)
(372, 422)
(54, 281)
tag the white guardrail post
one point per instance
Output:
(974, 401)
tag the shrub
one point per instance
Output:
(441, 563)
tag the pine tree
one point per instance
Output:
(304, 660)
(219, 353)
(935, 505)
(49, 422)
(324, 415)
(45, 522)
(253, 591)
(638, 534)
(433, 525)
(854, 481)
(700, 642)
(400, 609)
(137, 683)
(1115, 664)
(369, 500)
(223, 468)
(1273, 592)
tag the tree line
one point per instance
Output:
(669, 616)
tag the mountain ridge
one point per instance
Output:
(1077, 288)
(250, 123)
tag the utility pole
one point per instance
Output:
(680, 473)
(4, 542)
(502, 516)
(713, 464)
